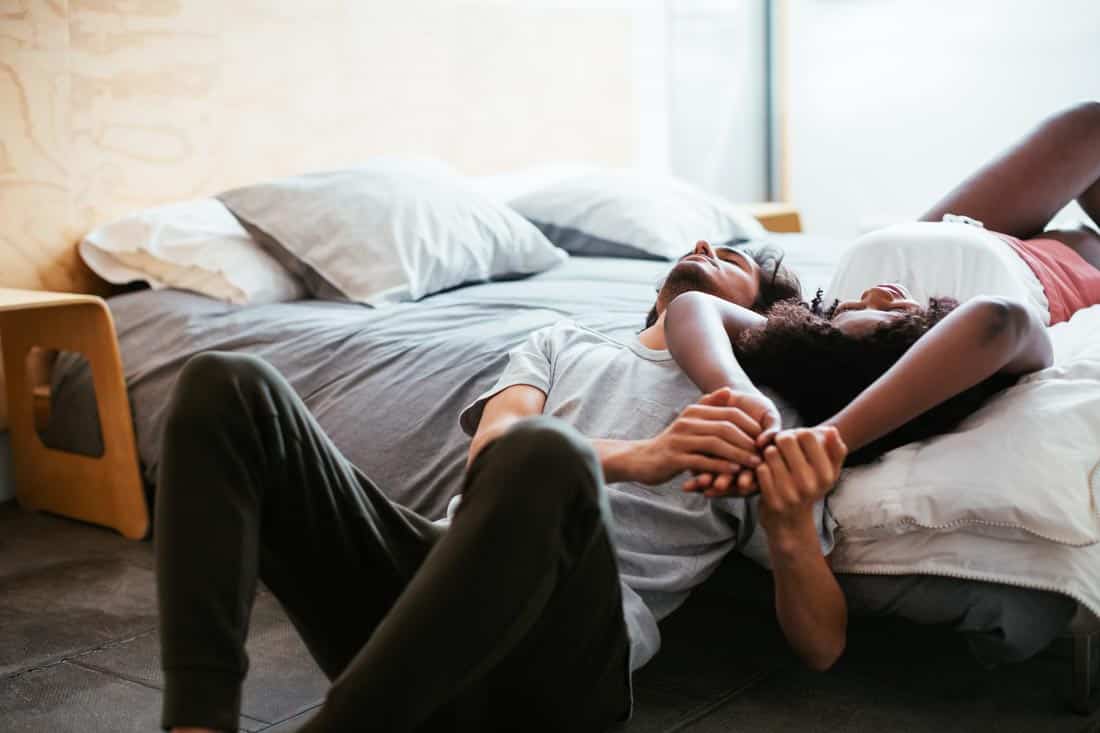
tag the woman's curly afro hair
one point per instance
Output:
(818, 370)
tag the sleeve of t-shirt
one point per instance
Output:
(752, 540)
(530, 363)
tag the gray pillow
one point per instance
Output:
(393, 230)
(629, 214)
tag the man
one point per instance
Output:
(570, 539)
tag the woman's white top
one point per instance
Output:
(936, 259)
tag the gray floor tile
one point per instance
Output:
(65, 697)
(921, 683)
(288, 726)
(72, 591)
(657, 712)
(30, 541)
(710, 650)
(73, 605)
(282, 680)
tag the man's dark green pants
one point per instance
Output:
(509, 620)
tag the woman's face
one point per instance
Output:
(878, 305)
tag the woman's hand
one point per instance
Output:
(802, 466)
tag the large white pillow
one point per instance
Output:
(193, 245)
(935, 259)
(505, 187)
(633, 214)
(1025, 466)
(392, 230)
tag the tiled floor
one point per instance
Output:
(78, 652)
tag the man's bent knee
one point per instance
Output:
(214, 383)
(535, 451)
(546, 443)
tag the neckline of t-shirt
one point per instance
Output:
(634, 344)
(645, 352)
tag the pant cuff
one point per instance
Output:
(201, 697)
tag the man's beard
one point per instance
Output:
(682, 280)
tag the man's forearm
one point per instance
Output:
(808, 601)
(616, 458)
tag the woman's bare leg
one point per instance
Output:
(1084, 241)
(1019, 192)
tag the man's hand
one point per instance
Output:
(713, 435)
(765, 414)
(802, 466)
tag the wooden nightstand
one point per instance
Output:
(776, 216)
(103, 490)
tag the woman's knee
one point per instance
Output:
(1079, 122)
(1087, 111)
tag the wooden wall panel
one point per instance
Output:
(113, 105)
(35, 196)
(144, 87)
(108, 106)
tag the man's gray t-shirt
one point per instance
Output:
(667, 541)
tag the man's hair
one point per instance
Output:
(818, 370)
(777, 282)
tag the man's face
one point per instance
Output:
(724, 272)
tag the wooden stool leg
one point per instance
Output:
(104, 490)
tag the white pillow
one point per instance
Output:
(935, 259)
(1025, 466)
(632, 214)
(505, 187)
(393, 230)
(194, 245)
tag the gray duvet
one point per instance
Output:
(387, 385)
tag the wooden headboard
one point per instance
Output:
(107, 106)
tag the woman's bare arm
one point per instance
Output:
(980, 338)
(699, 329)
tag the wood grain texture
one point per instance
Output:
(36, 213)
(109, 106)
(103, 489)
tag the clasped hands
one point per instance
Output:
(733, 444)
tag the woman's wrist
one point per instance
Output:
(791, 537)
(847, 429)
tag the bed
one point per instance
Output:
(388, 384)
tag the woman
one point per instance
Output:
(986, 237)
(886, 370)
